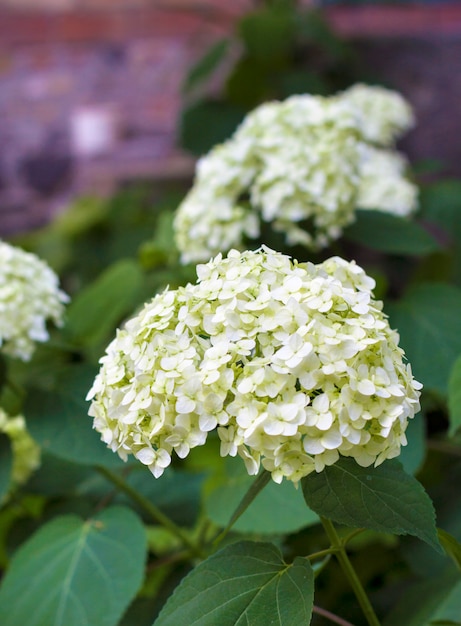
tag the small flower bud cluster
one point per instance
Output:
(301, 165)
(291, 364)
(29, 296)
(26, 453)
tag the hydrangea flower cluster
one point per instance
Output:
(26, 453)
(302, 165)
(291, 364)
(29, 296)
(383, 183)
(385, 114)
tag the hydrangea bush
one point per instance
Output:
(293, 364)
(303, 165)
(29, 296)
(281, 375)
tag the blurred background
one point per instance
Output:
(96, 95)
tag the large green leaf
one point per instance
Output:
(429, 322)
(436, 601)
(276, 509)
(76, 573)
(96, 310)
(245, 583)
(58, 420)
(390, 233)
(382, 498)
(6, 463)
(454, 396)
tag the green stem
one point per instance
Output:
(444, 446)
(320, 554)
(156, 514)
(350, 572)
(331, 616)
(260, 482)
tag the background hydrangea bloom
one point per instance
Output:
(383, 183)
(292, 364)
(385, 114)
(299, 165)
(26, 453)
(29, 296)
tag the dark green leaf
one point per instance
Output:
(441, 205)
(412, 455)
(58, 420)
(245, 583)
(3, 372)
(248, 84)
(177, 494)
(451, 546)
(76, 573)
(390, 233)
(94, 313)
(454, 396)
(276, 509)
(382, 498)
(437, 600)
(268, 35)
(206, 65)
(208, 123)
(6, 464)
(429, 322)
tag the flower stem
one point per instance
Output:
(156, 514)
(350, 572)
(331, 616)
(260, 482)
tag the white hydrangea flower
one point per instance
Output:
(26, 453)
(300, 165)
(29, 296)
(385, 114)
(292, 365)
(383, 185)
(289, 162)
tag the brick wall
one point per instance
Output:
(64, 74)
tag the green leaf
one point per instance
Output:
(6, 464)
(268, 35)
(58, 420)
(429, 323)
(245, 583)
(441, 205)
(412, 455)
(206, 65)
(451, 546)
(434, 601)
(3, 372)
(276, 509)
(76, 573)
(454, 397)
(248, 84)
(207, 123)
(390, 233)
(94, 313)
(382, 498)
